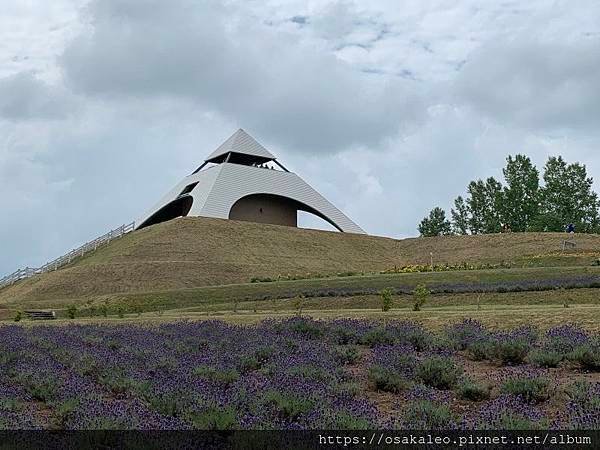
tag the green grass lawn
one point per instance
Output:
(352, 285)
(355, 296)
(501, 316)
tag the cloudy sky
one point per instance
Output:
(388, 108)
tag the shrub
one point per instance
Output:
(387, 380)
(347, 355)
(18, 316)
(344, 335)
(71, 311)
(531, 390)
(306, 327)
(510, 351)
(511, 420)
(264, 353)
(417, 337)
(480, 350)
(249, 363)
(214, 418)
(348, 388)
(65, 408)
(377, 336)
(286, 405)
(42, 389)
(309, 372)
(465, 333)
(262, 280)
(386, 298)
(475, 392)
(587, 356)
(427, 415)
(120, 312)
(345, 421)
(104, 310)
(226, 376)
(545, 358)
(439, 372)
(420, 296)
(583, 405)
(579, 391)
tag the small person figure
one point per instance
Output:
(571, 228)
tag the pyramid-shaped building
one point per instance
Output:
(242, 180)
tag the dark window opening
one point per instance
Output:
(189, 188)
(180, 207)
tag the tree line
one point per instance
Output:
(523, 202)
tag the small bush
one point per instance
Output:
(531, 390)
(262, 280)
(475, 392)
(511, 351)
(377, 336)
(420, 296)
(344, 335)
(104, 310)
(480, 350)
(348, 388)
(347, 354)
(545, 358)
(18, 316)
(120, 312)
(387, 380)
(309, 372)
(427, 415)
(587, 356)
(386, 298)
(64, 409)
(287, 405)
(42, 389)
(214, 418)
(465, 333)
(71, 311)
(512, 421)
(227, 376)
(345, 421)
(264, 353)
(439, 372)
(579, 391)
(306, 327)
(418, 338)
(249, 363)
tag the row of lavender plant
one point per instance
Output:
(291, 374)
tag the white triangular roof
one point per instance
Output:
(241, 142)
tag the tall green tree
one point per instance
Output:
(520, 196)
(485, 204)
(460, 216)
(435, 224)
(567, 197)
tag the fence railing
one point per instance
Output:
(69, 257)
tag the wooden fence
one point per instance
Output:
(69, 257)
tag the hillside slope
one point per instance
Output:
(194, 252)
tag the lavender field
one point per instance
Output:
(297, 374)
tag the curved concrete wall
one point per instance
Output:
(262, 208)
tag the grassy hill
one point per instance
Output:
(194, 260)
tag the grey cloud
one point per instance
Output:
(24, 97)
(549, 85)
(258, 77)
